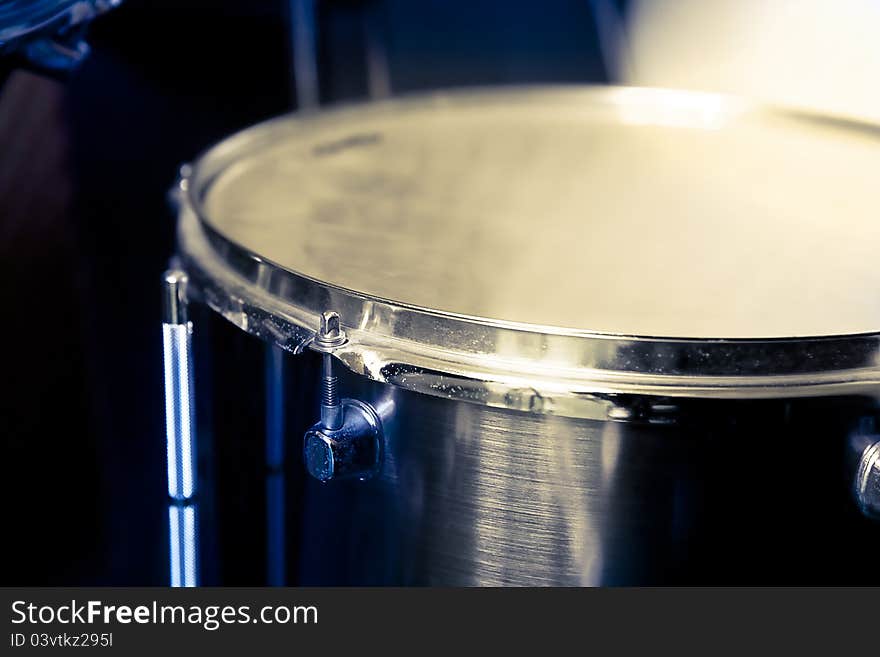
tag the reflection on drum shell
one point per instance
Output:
(694, 491)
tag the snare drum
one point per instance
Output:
(566, 336)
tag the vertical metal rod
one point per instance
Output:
(611, 33)
(276, 539)
(378, 70)
(303, 34)
(183, 544)
(180, 432)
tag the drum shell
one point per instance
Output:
(686, 490)
(520, 453)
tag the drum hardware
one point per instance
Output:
(180, 429)
(346, 442)
(635, 409)
(518, 452)
(867, 481)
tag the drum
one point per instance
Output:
(553, 336)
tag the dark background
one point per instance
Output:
(86, 230)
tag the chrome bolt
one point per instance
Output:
(331, 410)
(329, 336)
(347, 441)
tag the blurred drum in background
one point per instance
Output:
(565, 336)
(818, 54)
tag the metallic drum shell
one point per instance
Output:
(520, 454)
(693, 491)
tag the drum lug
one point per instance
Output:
(867, 481)
(346, 443)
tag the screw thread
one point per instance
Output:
(329, 391)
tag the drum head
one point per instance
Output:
(635, 212)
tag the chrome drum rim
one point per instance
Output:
(540, 369)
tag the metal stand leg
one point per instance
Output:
(303, 35)
(276, 553)
(180, 432)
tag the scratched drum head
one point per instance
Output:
(552, 244)
(635, 212)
